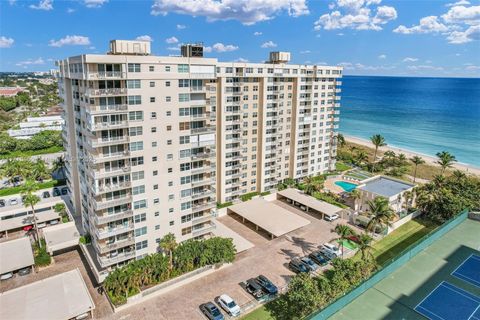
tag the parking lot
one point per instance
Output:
(268, 257)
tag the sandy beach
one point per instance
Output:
(409, 154)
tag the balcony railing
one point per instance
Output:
(103, 204)
(112, 217)
(111, 187)
(106, 75)
(201, 219)
(204, 230)
(203, 182)
(110, 232)
(100, 142)
(104, 247)
(203, 206)
(98, 174)
(201, 195)
(105, 92)
(206, 129)
(202, 155)
(105, 262)
(107, 125)
(106, 109)
(206, 168)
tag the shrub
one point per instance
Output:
(86, 239)
(42, 258)
(223, 205)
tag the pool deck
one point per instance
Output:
(330, 185)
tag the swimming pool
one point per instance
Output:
(347, 186)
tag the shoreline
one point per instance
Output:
(428, 159)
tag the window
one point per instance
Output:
(155, 187)
(183, 68)
(140, 217)
(167, 68)
(183, 97)
(134, 67)
(154, 144)
(184, 139)
(153, 129)
(135, 115)
(183, 83)
(141, 245)
(170, 170)
(169, 156)
(138, 175)
(167, 83)
(169, 128)
(154, 159)
(133, 84)
(153, 115)
(157, 227)
(133, 100)
(136, 161)
(155, 172)
(152, 84)
(156, 201)
(168, 99)
(138, 190)
(136, 146)
(140, 204)
(151, 68)
(152, 99)
(140, 231)
(171, 223)
(135, 131)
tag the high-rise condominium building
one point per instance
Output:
(153, 143)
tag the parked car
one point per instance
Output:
(229, 305)
(267, 285)
(2, 203)
(211, 311)
(312, 266)
(45, 194)
(254, 288)
(6, 276)
(64, 191)
(319, 258)
(332, 249)
(24, 271)
(328, 254)
(354, 239)
(56, 192)
(333, 217)
(41, 225)
(13, 202)
(53, 222)
(297, 266)
(303, 208)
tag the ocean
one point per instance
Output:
(425, 115)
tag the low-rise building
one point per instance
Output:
(34, 125)
(10, 91)
(15, 255)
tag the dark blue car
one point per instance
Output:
(298, 266)
(319, 258)
(267, 285)
(211, 311)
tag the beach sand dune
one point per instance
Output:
(409, 154)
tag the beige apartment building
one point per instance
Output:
(154, 142)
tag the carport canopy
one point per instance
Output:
(61, 236)
(241, 244)
(272, 218)
(310, 202)
(63, 296)
(15, 254)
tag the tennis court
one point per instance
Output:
(469, 270)
(448, 302)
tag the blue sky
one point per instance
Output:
(367, 37)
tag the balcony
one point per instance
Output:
(203, 169)
(110, 232)
(203, 182)
(104, 247)
(105, 92)
(99, 174)
(101, 142)
(206, 129)
(111, 187)
(206, 228)
(202, 219)
(198, 89)
(103, 204)
(201, 195)
(107, 125)
(203, 206)
(105, 262)
(202, 155)
(200, 116)
(107, 109)
(106, 75)
(99, 220)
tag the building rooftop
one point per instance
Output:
(15, 254)
(311, 202)
(385, 187)
(61, 236)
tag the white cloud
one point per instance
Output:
(428, 24)
(305, 52)
(424, 67)
(12, 2)
(257, 33)
(241, 60)
(175, 48)
(458, 3)
(30, 62)
(361, 67)
(382, 56)
(220, 47)
(356, 14)
(459, 37)
(472, 68)
(6, 42)
(70, 41)
(43, 5)
(171, 40)
(246, 11)
(70, 10)
(94, 3)
(144, 38)
(410, 59)
(181, 26)
(321, 63)
(91, 48)
(269, 44)
(461, 14)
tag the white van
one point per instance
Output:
(332, 249)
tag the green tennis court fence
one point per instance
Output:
(390, 267)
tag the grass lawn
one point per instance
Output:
(397, 241)
(43, 185)
(20, 154)
(340, 166)
(258, 314)
(348, 244)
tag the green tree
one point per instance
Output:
(378, 141)
(39, 170)
(168, 244)
(416, 160)
(343, 231)
(341, 140)
(381, 213)
(30, 199)
(360, 157)
(445, 160)
(364, 245)
(355, 195)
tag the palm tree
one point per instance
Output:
(416, 160)
(378, 141)
(40, 170)
(311, 185)
(445, 160)
(363, 242)
(361, 157)
(30, 199)
(355, 195)
(381, 213)
(341, 140)
(168, 243)
(459, 175)
(11, 169)
(389, 154)
(343, 231)
(408, 196)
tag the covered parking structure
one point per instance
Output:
(61, 237)
(63, 296)
(15, 255)
(310, 203)
(275, 220)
